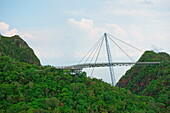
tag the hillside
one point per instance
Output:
(17, 48)
(150, 80)
(31, 88)
(45, 89)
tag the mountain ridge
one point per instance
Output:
(17, 48)
(150, 80)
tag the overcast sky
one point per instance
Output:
(62, 31)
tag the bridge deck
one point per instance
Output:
(90, 65)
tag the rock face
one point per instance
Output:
(149, 80)
(17, 48)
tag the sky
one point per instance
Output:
(61, 32)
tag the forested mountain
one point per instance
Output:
(17, 48)
(31, 88)
(45, 89)
(150, 80)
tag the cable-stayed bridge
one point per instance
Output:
(90, 59)
(91, 65)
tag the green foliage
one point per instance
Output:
(150, 80)
(45, 89)
(37, 89)
(17, 48)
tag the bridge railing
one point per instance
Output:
(90, 65)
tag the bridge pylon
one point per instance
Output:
(109, 56)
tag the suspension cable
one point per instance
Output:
(95, 49)
(97, 56)
(96, 52)
(125, 43)
(90, 50)
(120, 48)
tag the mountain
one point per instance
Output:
(150, 80)
(37, 89)
(45, 89)
(17, 48)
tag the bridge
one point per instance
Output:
(91, 65)
(95, 51)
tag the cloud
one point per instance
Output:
(95, 31)
(84, 24)
(139, 13)
(27, 35)
(4, 27)
(11, 32)
(135, 10)
(5, 30)
(116, 29)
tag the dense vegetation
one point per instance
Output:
(150, 80)
(25, 86)
(32, 88)
(17, 48)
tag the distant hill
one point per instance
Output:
(17, 48)
(150, 80)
